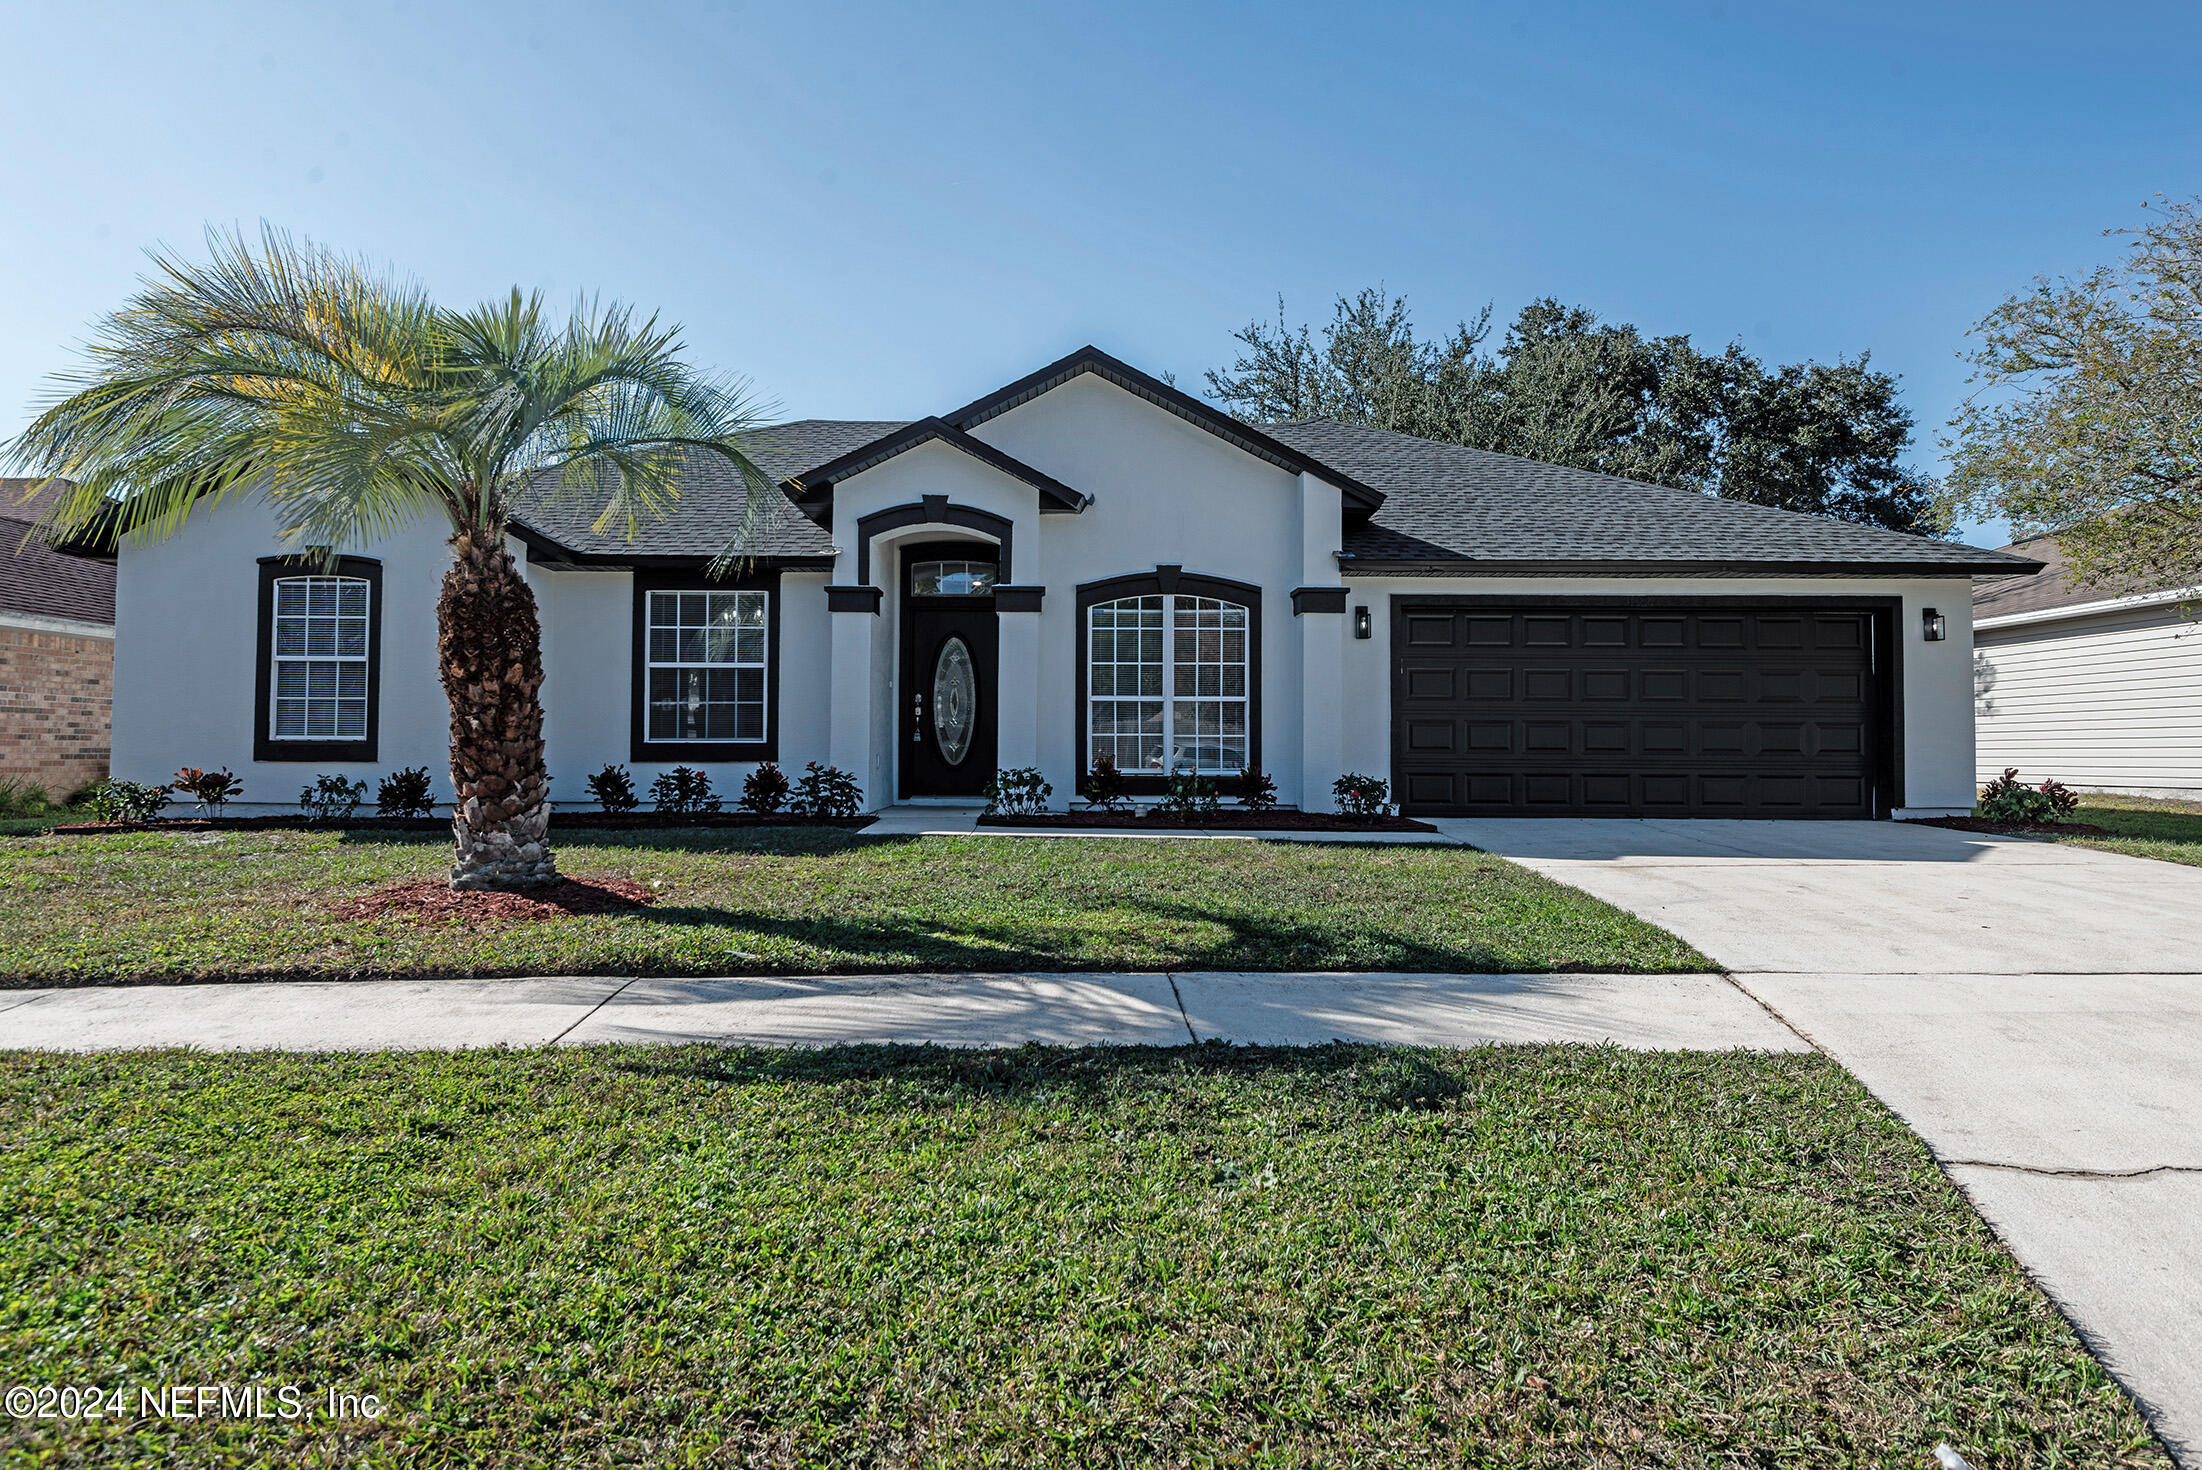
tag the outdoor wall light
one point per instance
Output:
(1361, 622)
(1933, 625)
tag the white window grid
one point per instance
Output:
(318, 659)
(705, 656)
(1168, 681)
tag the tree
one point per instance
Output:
(356, 404)
(2088, 422)
(1567, 388)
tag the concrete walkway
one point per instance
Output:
(2032, 1010)
(1645, 1011)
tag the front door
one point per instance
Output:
(949, 648)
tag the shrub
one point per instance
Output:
(405, 793)
(1362, 796)
(765, 790)
(613, 789)
(209, 791)
(1103, 787)
(684, 790)
(827, 791)
(331, 798)
(1189, 798)
(1257, 790)
(125, 801)
(2012, 803)
(21, 798)
(1022, 792)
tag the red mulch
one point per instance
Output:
(1278, 820)
(2004, 829)
(430, 900)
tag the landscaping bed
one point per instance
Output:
(169, 905)
(601, 821)
(1227, 820)
(2007, 829)
(2165, 829)
(1538, 1257)
(432, 900)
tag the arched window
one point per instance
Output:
(1170, 680)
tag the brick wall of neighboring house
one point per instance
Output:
(56, 697)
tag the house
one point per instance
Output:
(1089, 562)
(57, 652)
(2098, 687)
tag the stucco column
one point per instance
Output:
(1323, 714)
(1017, 715)
(849, 700)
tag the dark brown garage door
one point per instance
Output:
(1707, 709)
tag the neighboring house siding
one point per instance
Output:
(2110, 701)
(56, 693)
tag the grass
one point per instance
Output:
(183, 906)
(2169, 831)
(1204, 1256)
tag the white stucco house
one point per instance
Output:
(2100, 688)
(1089, 561)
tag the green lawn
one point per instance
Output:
(179, 906)
(2170, 831)
(1524, 1256)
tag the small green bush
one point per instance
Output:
(1361, 796)
(1189, 798)
(22, 798)
(2010, 802)
(684, 791)
(1257, 790)
(827, 791)
(125, 801)
(1103, 787)
(613, 789)
(765, 790)
(405, 793)
(1022, 792)
(331, 799)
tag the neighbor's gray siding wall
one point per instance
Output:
(2108, 702)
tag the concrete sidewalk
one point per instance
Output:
(2033, 1010)
(1645, 1011)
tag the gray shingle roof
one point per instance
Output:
(2054, 588)
(712, 496)
(1444, 503)
(36, 579)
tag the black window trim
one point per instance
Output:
(265, 747)
(639, 746)
(1168, 580)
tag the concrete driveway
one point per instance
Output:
(2034, 1011)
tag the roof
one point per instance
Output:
(37, 580)
(1054, 494)
(1450, 508)
(2053, 589)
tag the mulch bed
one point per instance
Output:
(431, 900)
(2004, 829)
(560, 821)
(1223, 821)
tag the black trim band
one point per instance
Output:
(639, 746)
(1163, 581)
(1017, 599)
(1378, 566)
(1318, 600)
(853, 599)
(930, 510)
(265, 747)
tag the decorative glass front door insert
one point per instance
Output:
(955, 701)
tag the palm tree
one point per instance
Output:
(356, 404)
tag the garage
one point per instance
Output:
(1639, 708)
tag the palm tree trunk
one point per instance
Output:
(491, 646)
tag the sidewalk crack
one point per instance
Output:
(592, 1010)
(1190, 1034)
(2072, 1173)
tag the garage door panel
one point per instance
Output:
(1673, 711)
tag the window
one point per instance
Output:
(706, 667)
(951, 578)
(1168, 678)
(320, 660)
(320, 671)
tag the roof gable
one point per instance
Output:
(813, 486)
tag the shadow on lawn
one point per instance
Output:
(1382, 1078)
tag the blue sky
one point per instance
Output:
(877, 210)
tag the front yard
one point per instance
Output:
(203, 905)
(2170, 831)
(1529, 1256)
